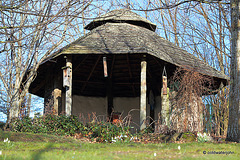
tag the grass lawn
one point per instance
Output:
(42, 146)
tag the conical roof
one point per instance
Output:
(124, 45)
(124, 38)
(122, 16)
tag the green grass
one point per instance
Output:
(42, 146)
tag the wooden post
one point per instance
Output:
(68, 101)
(165, 102)
(109, 97)
(57, 93)
(108, 87)
(143, 96)
(56, 98)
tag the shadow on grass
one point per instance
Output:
(38, 153)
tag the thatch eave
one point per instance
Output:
(205, 69)
(123, 38)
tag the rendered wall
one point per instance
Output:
(88, 105)
(157, 107)
(129, 106)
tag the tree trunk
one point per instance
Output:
(29, 104)
(233, 123)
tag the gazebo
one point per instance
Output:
(114, 67)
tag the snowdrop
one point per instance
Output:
(123, 138)
(133, 138)
(0, 153)
(203, 137)
(6, 140)
(113, 140)
(179, 147)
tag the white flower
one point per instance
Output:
(132, 138)
(0, 153)
(113, 140)
(204, 137)
(5, 140)
(155, 154)
(9, 141)
(179, 147)
(199, 134)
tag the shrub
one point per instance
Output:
(70, 125)
(188, 137)
(106, 131)
(61, 125)
(22, 125)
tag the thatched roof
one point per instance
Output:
(121, 16)
(124, 43)
(121, 38)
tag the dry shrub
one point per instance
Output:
(187, 88)
(190, 84)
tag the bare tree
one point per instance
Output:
(234, 112)
(29, 32)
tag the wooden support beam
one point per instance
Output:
(150, 75)
(111, 71)
(90, 74)
(39, 86)
(57, 94)
(165, 102)
(130, 74)
(160, 65)
(109, 87)
(91, 82)
(153, 81)
(80, 63)
(57, 99)
(109, 96)
(68, 101)
(102, 83)
(143, 96)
